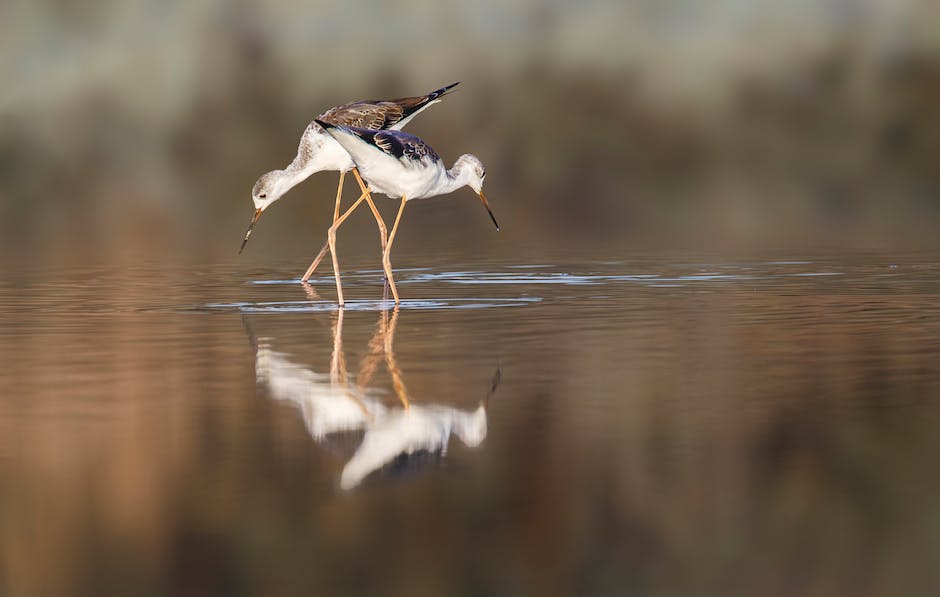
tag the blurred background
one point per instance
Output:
(132, 129)
(718, 251)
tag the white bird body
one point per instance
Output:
(327, 407)
(411, 430)
(319, 151)
(387, 174)
(388, 432)
(397, 164)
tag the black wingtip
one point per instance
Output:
(494, 384)
(325, 125)
(442, 91)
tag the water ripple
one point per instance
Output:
(386, 305)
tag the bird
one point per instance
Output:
(393, 436)
(401, 165)
(318, 151)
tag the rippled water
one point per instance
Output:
(641, 426)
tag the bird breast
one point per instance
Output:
(319, 152)
(413, 182)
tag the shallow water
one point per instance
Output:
(642, 426)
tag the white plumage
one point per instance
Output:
(397, 164)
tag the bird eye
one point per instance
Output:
(263, 196)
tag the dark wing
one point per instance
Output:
(380, 114)
(404, 147)
(407, 148)
(367, 115)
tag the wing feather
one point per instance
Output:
(409, 149)
(380, 114)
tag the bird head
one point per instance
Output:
(471, 170)
(265, 192)
(471, 427)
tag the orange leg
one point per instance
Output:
(397, 382)
(338, 362)
(383, 233)
(338, 375)
(370, 362)
(316, 262)
(339, 195)
(326, 245)
(332, 242)
(375, 212)
(386, 262)
(311, 292)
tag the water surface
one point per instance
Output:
(600, 426)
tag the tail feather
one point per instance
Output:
(439, 93)
(325, 125)
(412, 106)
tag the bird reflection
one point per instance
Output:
(396, 436)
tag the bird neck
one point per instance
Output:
(290, 177)
(454, 179)
(306, 162)
(295, 173)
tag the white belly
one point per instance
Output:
(332, 156)
(390, 178)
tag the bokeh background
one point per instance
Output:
(769, 435)
(134, 130)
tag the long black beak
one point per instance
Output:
(251, 225)
(497, 377)
(490, 211)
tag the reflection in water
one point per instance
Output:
(729, 437)
(401, 435)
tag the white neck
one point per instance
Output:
(317, 152)
(295, 173)
(454, 179)
(305, 162)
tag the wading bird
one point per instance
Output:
(318, 151)
(396, 437)
(401, 165)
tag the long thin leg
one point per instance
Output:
(383, 233)
(332, 240)
(397, 382)
(338, 375)
(345, 215)
(316, 262)
(338, 362)
(370, 362)
(339, 194)
(386, 262)
(326, 245)
(311, 292)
